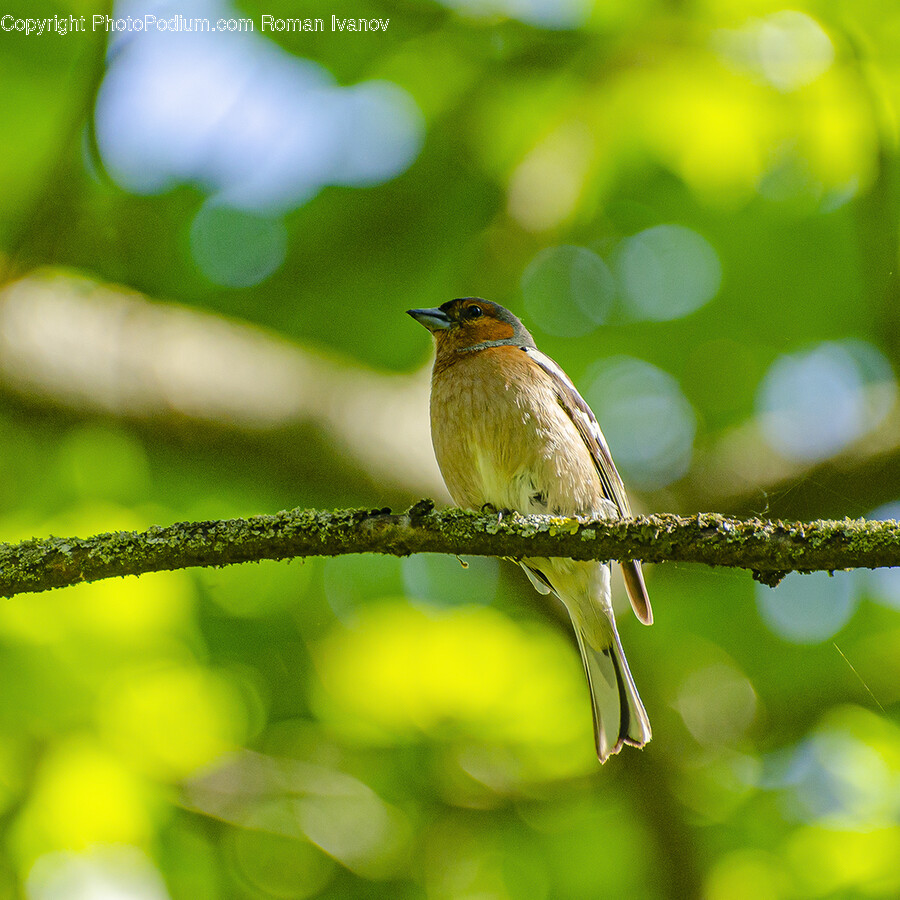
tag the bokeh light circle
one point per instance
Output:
(236, 249)
(808, 609)
(568, 291)
(646, 418)
(815, 402)
(255, 126)
(667, 272)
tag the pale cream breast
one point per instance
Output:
(501, 437)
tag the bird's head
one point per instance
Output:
(470, 323)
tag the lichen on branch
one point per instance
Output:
(768, 549)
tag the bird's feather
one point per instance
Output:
(619, 714)
(588, 429)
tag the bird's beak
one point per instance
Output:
(433, 319)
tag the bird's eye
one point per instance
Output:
(474, 312)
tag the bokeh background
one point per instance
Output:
(207, 244)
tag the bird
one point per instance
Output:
(511, 433)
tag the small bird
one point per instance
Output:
(510, 431)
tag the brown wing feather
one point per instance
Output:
(586, 424)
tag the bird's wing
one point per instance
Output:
(586, 424)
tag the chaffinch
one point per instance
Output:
(511, 431)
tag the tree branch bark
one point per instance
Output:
(769, 549)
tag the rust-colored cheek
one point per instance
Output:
(488, 330)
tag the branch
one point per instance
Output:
(91, 348)
(769, 549)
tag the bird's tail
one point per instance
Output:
(619, 714)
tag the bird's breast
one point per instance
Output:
(501, 437)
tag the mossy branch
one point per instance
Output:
(769, 549)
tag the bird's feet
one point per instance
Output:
(490, 508)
